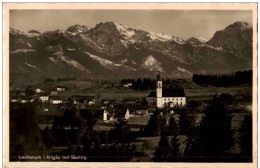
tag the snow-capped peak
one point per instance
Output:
(124, 30)
(164, 38)
(15, 31)
(18, 32)
(196, 41)
(78, 29)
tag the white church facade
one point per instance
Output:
(162, 98)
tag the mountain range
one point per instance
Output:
(113, 51)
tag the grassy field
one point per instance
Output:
(116, 93)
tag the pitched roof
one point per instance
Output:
(174, 93)
(169, 93)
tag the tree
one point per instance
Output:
(87, 144)
(175, 149)
(162, 123)
(162, 150)
(215, 134)
(185, 122)
(70, 148)
(29, 91)
(192, 147)
(25, 134)
(89, 118)
(246, 136)
(152, 128)
(120, 142)
(57, 122)
(71, 119)
(48, 138)
(173, 127)
(120, 133)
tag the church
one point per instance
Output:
(162, 98)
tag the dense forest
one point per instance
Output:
(224, 80)
(218, 80)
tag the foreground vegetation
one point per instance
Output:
(209, 141)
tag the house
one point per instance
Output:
(106, 115)
(128, 114)
(44, 98)
(23, 99)
(76, 99)
(38, 90)
(14, 98)
(166, 97)
(91, 102)
(141, 112)
(54, 92)
(128, 85)
(17, 93)
(60, 88)
(55, 100)
(106, 102)
(20, 99)
(22, 93)
(45, 109)
(87, 99)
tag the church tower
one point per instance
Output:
(159, 91)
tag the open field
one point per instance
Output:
(116, 93)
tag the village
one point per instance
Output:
(136, 111)
(105, 104)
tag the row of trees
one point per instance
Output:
(148, 83)
(141, 84)
(59, 79)
(163, 123)
(224, 80)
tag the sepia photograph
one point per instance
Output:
(131, 85)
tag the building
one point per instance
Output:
(91, 102)
(166, 97)
(14, 99)
(141, 112)
(106, 115)
(55, 100)
(44, 98)
(60, 88)
(128, 114)
(54, 92)
(38, 90)
(79, 99)
(128, 85)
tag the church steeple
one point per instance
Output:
(159, 86)
(159, 77)
(159, 91)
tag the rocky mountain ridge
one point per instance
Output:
(112, 50)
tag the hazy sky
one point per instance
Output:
(180, 23)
